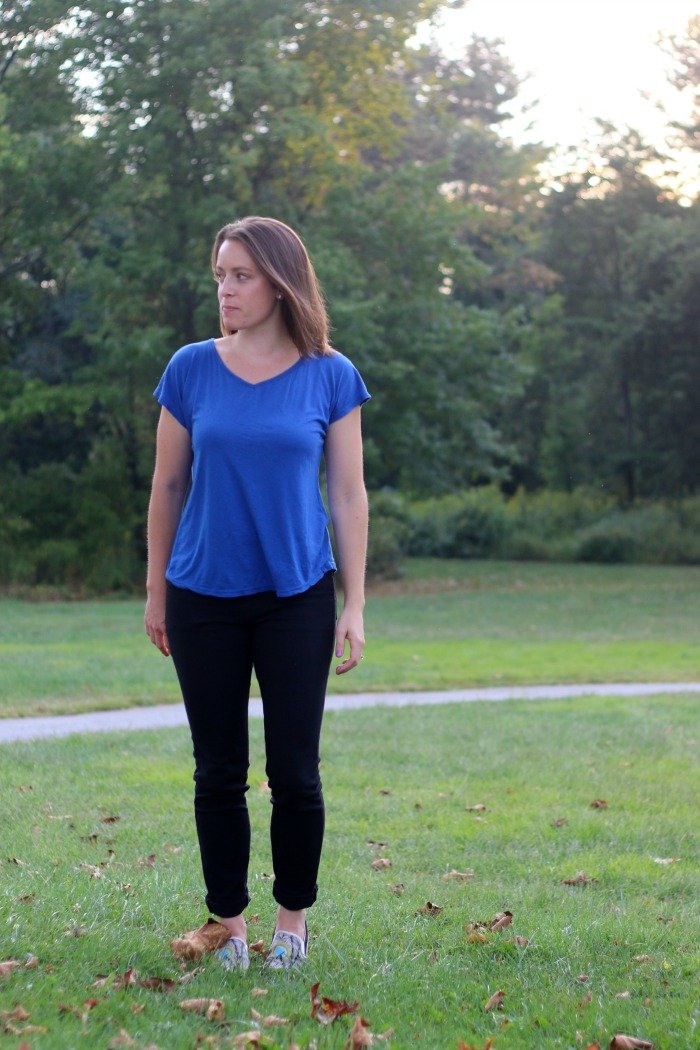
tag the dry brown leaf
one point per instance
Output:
(430, 909)
(190, 975)
(208, 938)
(270, 1021)
(28, 1029)
(593, 1046)
(110, 820)
(212, 1009)
(477, 937)
(665, 860)
(496, 1001)
(376, 845)
(8, 966)
(159, 984)
(381, 863)
(580, 879)
(468, 1046)
(642, 958)
(359, 1036)
(384, 791)
(397, 888)
(149, 861)
(629, 1042)
(560, 822)
(501, 920)
(520, 942)
(586, 999)
(599, 803)
(623, 995)
(31, 962)
(75, 931)
(478, 808)
(257, 992)
(253, 1038)
(325, 1010)
(458, 876)
(258, 946)
(94, 870)
(127, 979)
(123, 1039)
(582, 977)
(18, 1014)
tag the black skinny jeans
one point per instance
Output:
(215, 644)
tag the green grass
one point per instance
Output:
(448, 624)
(404, 778)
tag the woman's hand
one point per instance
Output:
(349, 629)
(154, 623)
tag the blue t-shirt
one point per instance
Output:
(254, 519)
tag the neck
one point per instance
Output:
(270, 340)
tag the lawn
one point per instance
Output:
(447, 625)
(100, 869)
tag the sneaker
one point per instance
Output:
(286, 951)
(234, 954)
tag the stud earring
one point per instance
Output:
(278, 296)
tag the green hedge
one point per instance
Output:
(542, 526)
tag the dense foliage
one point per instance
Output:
(510, 334)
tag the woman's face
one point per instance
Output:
(246, 297)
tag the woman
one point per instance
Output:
(240, 568)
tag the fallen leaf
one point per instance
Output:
(8, 966)
(100, 981)
(28, 1029)
(123, 1039)
(629, 1042)
(27, 898)
(665, 860)
(149, 861)
(520, 942)
(94, 870)
(257, 992)
(642, 958)
(359, 1036)
(429, 909)
(397, 888)
(110, 820)
(159, 984)
(325, 1010)
(623, 995)
(381, 863)
(258, 946)
(31, 962)
(208, 938)
(458, 876)
(384, 791)
(496, 1001)
(270, 1021)
(560, 822)
(477, 937)
(18, 1014)
(468, 1046)
(213, 1009)
(478, 808)
(586, 999)
(599, 803)
(75, 931)
(501, 920)
(253, 1038)
(190, 975)
(593, 1046)
(580, 879)
(376, 845)
(127, 979)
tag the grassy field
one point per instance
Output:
(447, 625)
(101, 869)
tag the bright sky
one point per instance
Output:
(587, 59)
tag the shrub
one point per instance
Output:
(470, 524)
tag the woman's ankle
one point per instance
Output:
(235, 925)
(291, 921)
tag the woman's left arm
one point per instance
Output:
(347, 499)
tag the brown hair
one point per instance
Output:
(280, 255)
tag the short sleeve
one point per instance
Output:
(349, 389)
(170, 392)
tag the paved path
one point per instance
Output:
(166, 715)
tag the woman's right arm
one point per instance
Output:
(171, 480)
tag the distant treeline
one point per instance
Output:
(517, 337)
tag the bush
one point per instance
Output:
(651, 533)
(471, 524)
(56, 562)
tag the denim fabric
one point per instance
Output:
(215, 644)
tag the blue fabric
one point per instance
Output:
(254, 519)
